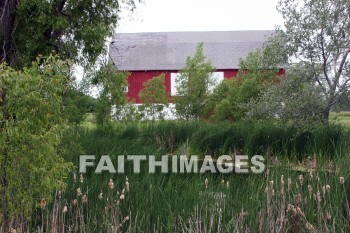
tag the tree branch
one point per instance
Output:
(325, 59)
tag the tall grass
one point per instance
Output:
(201, 202)
(279, 201)
(265, 138)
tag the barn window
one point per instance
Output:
(216, 77)
(173, 83)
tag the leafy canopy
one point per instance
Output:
(257, 71)
(112, 84)
(74, 29)
(154, 97)
(317, 36)
(31, 127)
(193, 86)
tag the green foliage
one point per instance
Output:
(154, 97)
(171, 202)
(228, 105)
(344, 103)
(77, 104)
(31, 125)
(296, 100)
(271, 57)
(74, 29)
(193, 87)
(127, 113)
(316, 35)
(269, 138)
(113, 84)
(257, 71)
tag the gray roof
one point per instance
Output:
(169, 50)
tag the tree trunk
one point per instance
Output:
(8, 9)
(325, 115)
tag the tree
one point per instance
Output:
(113, 84)
(76, 105)
(296, 100)
(31, 125)
(74, 29)
(193, 85)
(257, 71)
(317, 35)
(154, 97)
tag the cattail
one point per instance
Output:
(310, 190)
(282, 185)
(122, 197)
(309, 227)
(84, 199)
(329, 216)
(100, 196)
(342, 180)
(81, 178)
(301, 179)
(311, 175)
(65, 209)
(299, 211)
(266, 190)
(127, 186)
(318, 197)
(79, 193)
(75, 178)
(289, 184)
(43, 203)
(206, 183)
(111, 184)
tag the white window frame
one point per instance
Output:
(216, 77)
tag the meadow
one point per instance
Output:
(341, 117)
(304, 188)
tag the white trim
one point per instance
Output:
(174, 83)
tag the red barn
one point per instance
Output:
(146, 55)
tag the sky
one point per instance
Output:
(201, 15)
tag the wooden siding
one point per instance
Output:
(137, 78)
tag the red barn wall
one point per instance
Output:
(137, 78)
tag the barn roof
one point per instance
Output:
(169, 50)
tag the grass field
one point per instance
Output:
(341, 117)
(295, 194)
